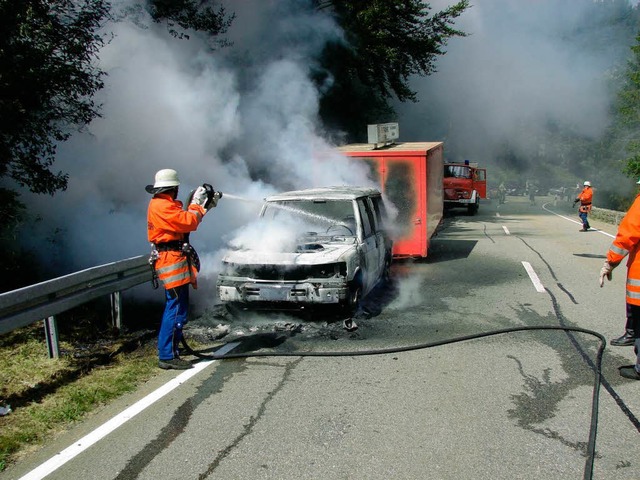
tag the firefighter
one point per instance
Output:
(584, 197)
(627, 242)
(174, 261)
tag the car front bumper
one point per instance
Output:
(308, 292)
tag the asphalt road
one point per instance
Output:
(504, 406)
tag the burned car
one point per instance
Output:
(332, 248)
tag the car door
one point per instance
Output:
(369, 246)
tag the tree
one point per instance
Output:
(628, 119)
(47, 83)
(387, 41)
(191, 15)
(49, 75)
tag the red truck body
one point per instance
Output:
(464, 185)
(410, 176)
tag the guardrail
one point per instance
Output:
(44, 300)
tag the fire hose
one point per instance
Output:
(597, 367)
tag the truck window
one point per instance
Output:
(457, 171)
(366, 216)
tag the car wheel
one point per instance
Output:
(386, 271)
(355, 296)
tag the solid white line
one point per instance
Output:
(106, 428)
(575, 221)
(506, 230)
(534, 278)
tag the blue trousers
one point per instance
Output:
(633, 323)
(176, 308)
(585, 222)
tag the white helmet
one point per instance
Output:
(587, 183)
(166, 178)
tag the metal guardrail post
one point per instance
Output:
(51, 334)
(116, 310)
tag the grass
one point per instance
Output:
(48, 395)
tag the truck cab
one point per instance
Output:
(464, 185)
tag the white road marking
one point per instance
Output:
(506, 230)
(576, 222)
(106, 428)
(534, 278)
(497, 214)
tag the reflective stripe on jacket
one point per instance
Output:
(168, 222)
(627, 242)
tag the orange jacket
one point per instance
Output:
(585, 197)
(627, 242)
(168, 222)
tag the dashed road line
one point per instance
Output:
(534, 277)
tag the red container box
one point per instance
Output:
(410, 176)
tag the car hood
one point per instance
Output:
(309, 254)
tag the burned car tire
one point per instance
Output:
(355, 296)
(386, 272)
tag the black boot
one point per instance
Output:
(625, 340)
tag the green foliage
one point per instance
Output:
(191, 15)
(47, 81)
(386, 42)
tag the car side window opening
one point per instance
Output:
(379, 212)
(366, 217)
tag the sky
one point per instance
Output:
(216, 116)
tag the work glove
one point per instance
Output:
(199, 196)
(605, 271)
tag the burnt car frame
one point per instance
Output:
(338, 252)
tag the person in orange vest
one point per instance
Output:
(627, 243)
(584, 197)
(174, 261)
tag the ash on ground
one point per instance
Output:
(217, 323)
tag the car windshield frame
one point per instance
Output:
(318, 214)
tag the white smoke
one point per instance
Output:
(524, 65)
(243, 118)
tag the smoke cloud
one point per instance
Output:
(524, 66)
(244, 119)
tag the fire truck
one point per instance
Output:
(464, 185)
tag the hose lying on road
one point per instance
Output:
(591, 446)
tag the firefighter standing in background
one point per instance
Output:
(174, 261)
(584, 197)
(627, 242)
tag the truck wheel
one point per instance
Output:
(473, 209)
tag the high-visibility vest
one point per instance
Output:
(168, 222)
(627, 243)
(585, 197)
